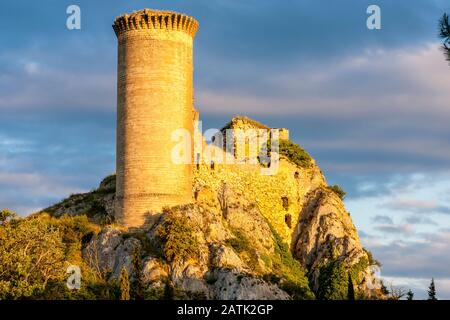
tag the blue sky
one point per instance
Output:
(372, 107)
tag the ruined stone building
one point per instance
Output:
(155, 99)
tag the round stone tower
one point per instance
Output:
(154, 98)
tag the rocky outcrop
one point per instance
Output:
(325, 233)
(200, 252)
(235, 286)
(98, 205)
(247, 236)
(109, 252)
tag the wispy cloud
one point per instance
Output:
(39, 89)
(383, 219)
(401, 230)
(28, 192)
(418, 206)
(423, 258)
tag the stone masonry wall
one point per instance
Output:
(267, 192)
(154, 98)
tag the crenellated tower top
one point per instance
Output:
(155, 19)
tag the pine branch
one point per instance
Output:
(444, 33)
(444, 28)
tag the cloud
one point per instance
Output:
(417, 206)
(401, 230)
(425, 258)
(32, 68)
(371, 107)
(377, 106)
(38, 89)
(27, 192)
(383, 219)
(419, 286)
(417, 220)
(412, 82)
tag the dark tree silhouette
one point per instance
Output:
(432, 291)
(410, 295)
(351, 289)
(444, 33)
(137, 269)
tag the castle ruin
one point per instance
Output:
(154, 100)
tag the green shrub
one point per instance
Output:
(372, 261)
(6, 215)
(335, 277)
(295, 153)
(108, 184)
(338, 191)
(35, 252)
(75, 233)
(289, 273)
(242, 245)
(239, 242)
(91, 289)
(138, 285)
(31, 256)
(152, 293)
(211, 278)
(333, 282)
(178, 238)
(357, 269)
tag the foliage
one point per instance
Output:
(409, 295)
(396, 292)
(351, 289)
(92, 288)
(242, 245)
(158, 293)
(358, 268)
(138, 281)
(31, 255)
(178, 238)
(244, 119)
(372, 261)
(336, 281)
(124, 285)
(108, 184)
(6, 215)
(75, 232)
(432, 291)
(35, 252)
(444, 33)
(239, 242)
(295, 153)
(288, 271)
(338, 191)
(148, 246)
(333, 281)
(90, 204)
(384, 290)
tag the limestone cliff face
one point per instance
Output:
(247, 236)
(325, 233)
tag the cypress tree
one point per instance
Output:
(124, 285)
(137, 269)
(432, 291)
(351, 289)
